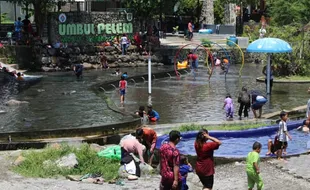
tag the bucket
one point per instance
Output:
(231, 41)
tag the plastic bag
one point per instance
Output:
(112, 152)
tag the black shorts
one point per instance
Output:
(281, 145)
(207, 181)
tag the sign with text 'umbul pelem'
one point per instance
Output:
(92, 28)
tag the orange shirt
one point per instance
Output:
(149, 136)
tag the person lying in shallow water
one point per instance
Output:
(305, 127)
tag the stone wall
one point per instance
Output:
(89, 28)
(52, 59)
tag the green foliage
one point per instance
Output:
(295, 63)
(290, 11)
(143, 9)
(251, 30)
(188, 7)
(4, 19)
(206, 42)
(11, 60)
(88, 160)
(219, 12)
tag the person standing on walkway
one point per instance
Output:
(170, 163)
(18, 29)
(252, 167)
(244, 101)
(124, 42)
(205, 161)
(190, 30)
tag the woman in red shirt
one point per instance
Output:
(205, 161)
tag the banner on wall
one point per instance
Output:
(72, 31)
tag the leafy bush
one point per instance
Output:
(206, 42)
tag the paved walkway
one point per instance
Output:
(291, 175)
(178, 40)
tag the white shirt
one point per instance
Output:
(282, 130)
(308, 108)
(124, 40)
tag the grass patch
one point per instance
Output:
(229, 127)
(87, 158)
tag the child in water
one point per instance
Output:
(153, 115)
(185, 168)
(229, 107)
(122, 88)
(142, 113)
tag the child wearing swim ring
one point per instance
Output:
(229, 107)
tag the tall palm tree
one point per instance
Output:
(207, 12)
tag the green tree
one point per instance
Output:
(41, 8)
(286, 12)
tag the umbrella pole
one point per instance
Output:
(268, 73)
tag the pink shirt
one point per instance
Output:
(190, 27)
(133, 146)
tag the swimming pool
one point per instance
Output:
(237, 144)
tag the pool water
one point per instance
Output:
(239, 147)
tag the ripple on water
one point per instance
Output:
(188, 100)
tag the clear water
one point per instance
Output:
(189, 100)
(240, 147)
(50, 108)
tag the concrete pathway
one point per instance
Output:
(293, 174)
(178, 40)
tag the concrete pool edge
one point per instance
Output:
(262, 79)
(235, 134)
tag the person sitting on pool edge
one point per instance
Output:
(272, 146)
(153, 115)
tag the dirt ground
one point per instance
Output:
(228, 177)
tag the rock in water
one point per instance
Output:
(41, 90)
(15, 103)
(69, 93)
(2, 112)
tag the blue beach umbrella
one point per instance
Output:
(269, 45)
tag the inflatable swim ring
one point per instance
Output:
(182, 65)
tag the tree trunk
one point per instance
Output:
(39, 16)
(207, 11)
